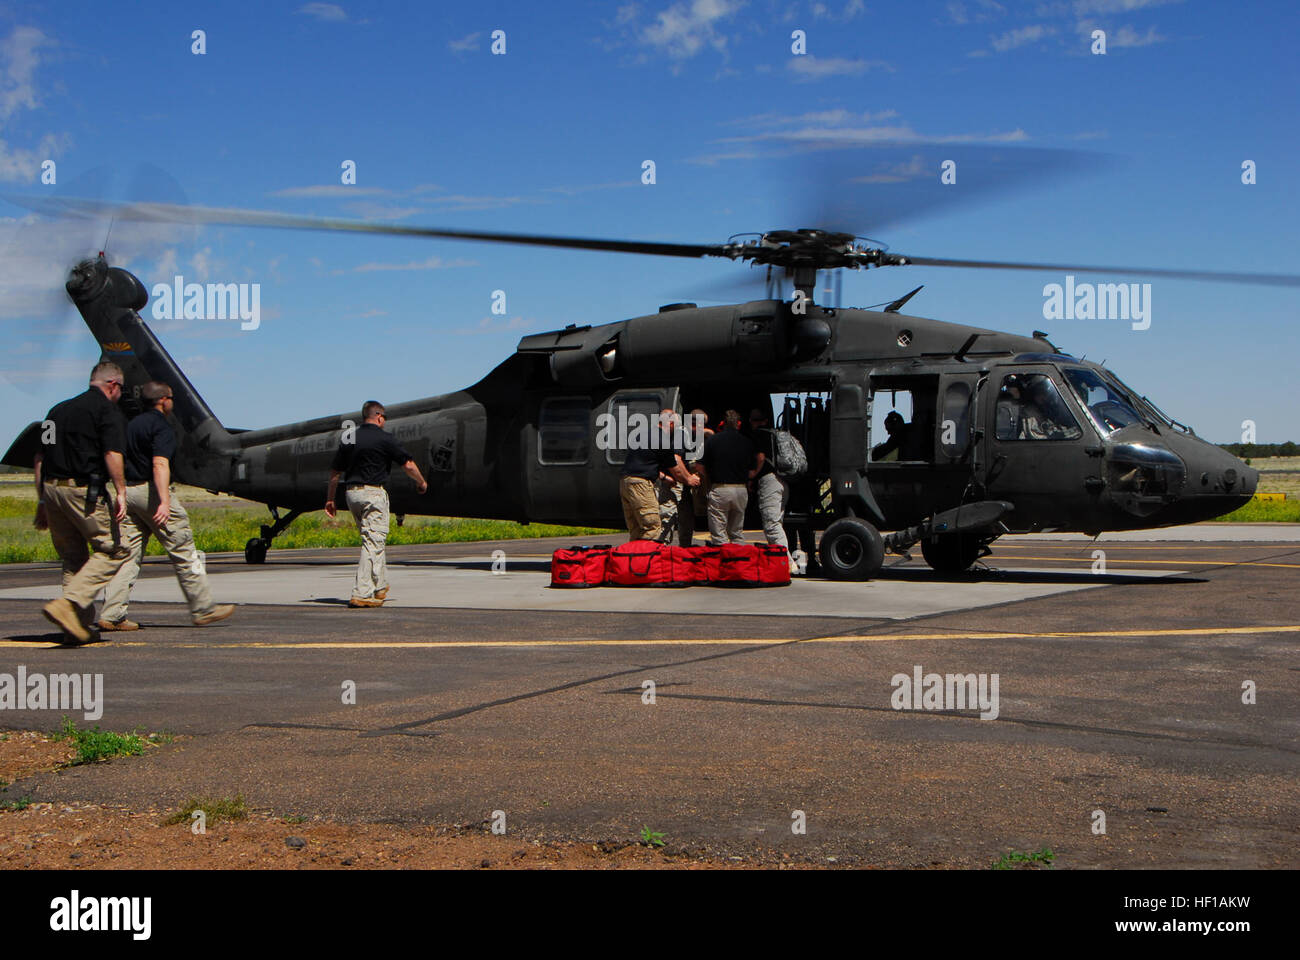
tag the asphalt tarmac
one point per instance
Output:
(1121, 738)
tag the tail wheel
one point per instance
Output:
(255, 550)
(851, 549)
(951, 552)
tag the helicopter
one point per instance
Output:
(1008, 433)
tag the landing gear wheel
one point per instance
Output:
(255, 550)
(851, 549)
(951, 552)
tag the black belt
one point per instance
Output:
(66, 482)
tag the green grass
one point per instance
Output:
(1264, 511)
(226, 528)
(99, 744)
(1016, 860)
(13, 806)
(214, 809)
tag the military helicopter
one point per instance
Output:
(1008, 433)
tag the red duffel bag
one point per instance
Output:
(689, 566)
(579, 566)
(773, 565)
(738, 564)
(639, 563)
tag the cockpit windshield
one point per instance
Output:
(1110, 406)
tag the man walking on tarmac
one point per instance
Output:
(152, 508)
(81, 453)
(364, 460)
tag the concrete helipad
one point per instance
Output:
(469, 581)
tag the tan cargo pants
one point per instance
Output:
(369, 506)
(177, 539)
(640, 508)
(85, 568)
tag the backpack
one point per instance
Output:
(788, 458)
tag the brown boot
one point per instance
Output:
(358, 602)
(108, 626)
(381, 594)
(62, 613)
(220, 612)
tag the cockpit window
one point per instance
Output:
(1109, 406)
(1029, 407)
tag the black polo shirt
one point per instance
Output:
(85, 428)
(147, 436)
(647, 463)
(728, 457)
(370, 458)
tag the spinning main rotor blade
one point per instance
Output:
(230, 216)
(1263, 279)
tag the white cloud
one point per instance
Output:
(812, 67)
(1020, 37)
(688, 27)
(20, 56)
(330, 190)
(324, 11)
(1084, 7)
(465, 43)
(432, 263)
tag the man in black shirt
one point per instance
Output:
(152, 508)
(730, 461)
(649, 473)
(365, 461)
(82, 441)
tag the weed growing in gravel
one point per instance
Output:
(1010, 861)
(99, 744)
(13, 806)
(649, 838)
(214, 809)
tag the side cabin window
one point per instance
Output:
(1029, 407)
(903, 413)
(564, 431)
(629, 412)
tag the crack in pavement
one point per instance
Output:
(964, 715)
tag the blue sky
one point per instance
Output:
(551, 136)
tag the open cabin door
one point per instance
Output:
(575, 450)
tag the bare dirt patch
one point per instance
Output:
(24, 752)
(47, 836)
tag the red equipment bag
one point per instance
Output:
(639, 563)
(689, 566)
(739, 564)
(710, 562)
(773, 565)
(579, 566)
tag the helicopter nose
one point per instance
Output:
(1217, 482)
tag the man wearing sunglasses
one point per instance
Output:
(82, 440)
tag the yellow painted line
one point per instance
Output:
(695, 642)
(1177, 563)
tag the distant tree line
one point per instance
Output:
(1244, 450)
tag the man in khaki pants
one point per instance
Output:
(153, 509)
(365, 460)
(82, 442)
